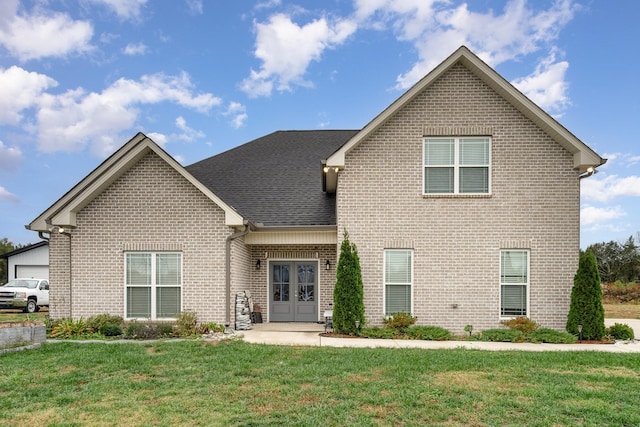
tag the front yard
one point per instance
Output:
(235, 383)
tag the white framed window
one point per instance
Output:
(514, 283)
(398, 281)
(153, 285)
(460, 165)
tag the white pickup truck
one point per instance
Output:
(26, 294)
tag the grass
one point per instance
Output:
(234, 383)
(622, 311)
(19, 315)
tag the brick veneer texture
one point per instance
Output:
(149, 208)
(534, 204)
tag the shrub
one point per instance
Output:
(147, 331)
(433, 333)
(551, 336)
(69, 328)
(502, 335)
(348, 294)
(621, 331)
(522, 324)
(586, 300)
(209, 327)
(374, 332)
(187, 324)
(400, 321)
(95, 323)
(111, 330)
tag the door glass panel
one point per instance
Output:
(280, 283)
(306, 282)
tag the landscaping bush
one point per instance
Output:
(399, 321)
(551, 336)
(187, 324)
(522, 324)
(586, 300)
(348, 294)
(383, 333)
(431, 333)
(621, 331)
(503, 335)
(95, 323)
(69, 328)
(111, 330)
(147, 331)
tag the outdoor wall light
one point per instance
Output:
(326, 169)
(590, 171)
(258, 265)
(327, 265)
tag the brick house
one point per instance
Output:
(463, 198)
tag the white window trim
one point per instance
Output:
(527, 285)
(153, 285)
(456, 167)
(384, 281)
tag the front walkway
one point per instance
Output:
(309, 334)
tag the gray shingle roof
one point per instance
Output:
(276, 180)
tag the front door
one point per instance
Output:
(293, 291)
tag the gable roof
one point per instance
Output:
(24, 249)
(275, 180)
(583, 156)
(63, 212)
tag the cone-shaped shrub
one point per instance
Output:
(586, 300)
(348, 296)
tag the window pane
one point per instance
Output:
(139, 302)
(438, 180)
(474, 151)
(439, 152)
(398, 267)
(514, 267)
(514, 300)
(168, 269)
(138, 269)
(474, 180)
(397, 299)
(167, 301)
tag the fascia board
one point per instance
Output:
(63, 211)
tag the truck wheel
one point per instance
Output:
(31, 307)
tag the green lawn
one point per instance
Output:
(235, 383)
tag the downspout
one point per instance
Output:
(230, 238)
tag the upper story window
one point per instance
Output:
(457, 165)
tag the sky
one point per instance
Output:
(79, 78)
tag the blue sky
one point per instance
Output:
(79, 78)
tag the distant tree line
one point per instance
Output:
(618, 261)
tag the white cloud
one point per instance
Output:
(591, 215)
(125, 9)
(69, 121)
(189, 134)
(546, 86)
(41, 33)
(195, 6)
(238, 114)
(7, 196)
(135, 49)
(436, 30)
(606, 188)
(10, 157)
(286, 50)
(20, 90)
(158, 138)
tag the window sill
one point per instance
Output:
(457, 196)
